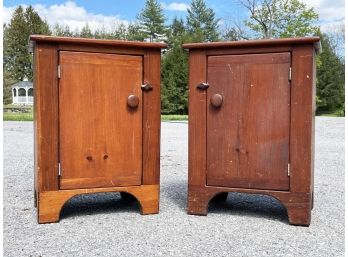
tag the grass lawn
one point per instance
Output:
(174, 117)
(337, 113)
(14, 106)
(18, 116)
(28, 116)
(17, 113)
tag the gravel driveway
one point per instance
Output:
(105, 225)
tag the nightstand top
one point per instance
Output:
(93, 41)
(257, 43)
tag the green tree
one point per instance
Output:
(174, 81)
(151, 19)
(201, 22)
(62, 31)
(176, 33)
(280, 18)
(177, 28)
(120, 32)
(233, 32)
(174, 71)
(330, 78)
(102, 33)
(134, 32)
(336, 35)
(17, 63)
(17, 59)
(7, 83)
(86, 31)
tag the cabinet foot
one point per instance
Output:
(298, 205)
(199, 198)
(148, 199)
(197, 207)
(51, 202)
(299, 214)
(50, 205)
(150, 207)
(198, 201)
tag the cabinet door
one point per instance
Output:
(248, 134)
(100, 134)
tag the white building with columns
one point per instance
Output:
(23, 93)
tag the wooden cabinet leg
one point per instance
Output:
(50, 205)
(148, 199)
(51, 202)
(150, 207)
(299, 214)
(197, 207)
(198, 201)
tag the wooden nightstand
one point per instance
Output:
(251, 122)
(97, 120)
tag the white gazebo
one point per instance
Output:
(23, 93)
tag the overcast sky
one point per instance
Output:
(107, 13)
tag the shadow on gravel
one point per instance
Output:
(89, 204)
(177, 193)
(251, 205)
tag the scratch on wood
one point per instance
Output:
(229, 67)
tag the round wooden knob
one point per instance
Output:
(216, 100)
(133, 101)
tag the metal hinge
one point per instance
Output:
(58, 71)
(290, 73)
(288, 169)
(59, 170)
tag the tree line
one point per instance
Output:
(267, 19)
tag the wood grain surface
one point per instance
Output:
(152, 118)
(314, 42)
(248, 136)
(51, 202)
(100, 136)
(197, 119)
(95, 129)
(97, 42)
(245, 141)
(46, 142)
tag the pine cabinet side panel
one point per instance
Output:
(46, 117)
(302, 119)
(197, 119)
(151, 118)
